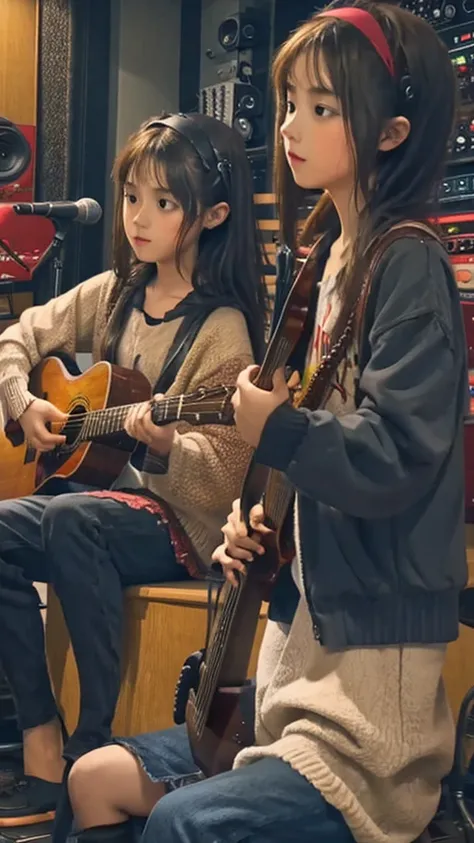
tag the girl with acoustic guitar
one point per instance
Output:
(353, 730)
(185, 305)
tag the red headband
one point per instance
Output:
(366, 23)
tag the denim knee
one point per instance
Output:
(61, 519)
(176, 819)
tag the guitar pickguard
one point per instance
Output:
(50, 462)
(30, 455)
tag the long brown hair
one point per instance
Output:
(230, 260)
(397, 185)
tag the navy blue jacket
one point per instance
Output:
(381, 490)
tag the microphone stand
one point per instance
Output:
(55, 253)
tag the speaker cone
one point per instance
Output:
(15, 152)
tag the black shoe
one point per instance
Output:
(27, 800)
(7, 777)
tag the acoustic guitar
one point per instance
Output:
(97, 403)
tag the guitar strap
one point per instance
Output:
(181, 346)
(362, 314)
(177, 352)
(365, 308)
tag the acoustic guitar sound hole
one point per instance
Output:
(51, 461)
(72, 429)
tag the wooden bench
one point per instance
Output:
(459, 666)
(164, 624)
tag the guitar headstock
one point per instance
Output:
(205, 406)
(296, 291)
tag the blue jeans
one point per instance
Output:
(90, 549)
(266, 802)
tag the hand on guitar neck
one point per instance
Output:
(253, 405)
(239, 548)
(139, 425)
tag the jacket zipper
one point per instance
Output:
(299, 558)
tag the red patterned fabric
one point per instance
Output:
(183, 549)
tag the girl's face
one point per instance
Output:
(152, 219)
(317, 147)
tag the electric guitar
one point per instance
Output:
(210, 695)
(212, 692)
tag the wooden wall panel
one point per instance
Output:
(19, 39)
(19, 60)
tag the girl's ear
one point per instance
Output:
(216, 215)
(395, 133)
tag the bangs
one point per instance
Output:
(149, 157)
(312, 40)
(150, 170)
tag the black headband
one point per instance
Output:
(208, 155)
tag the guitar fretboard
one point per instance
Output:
(98, 423)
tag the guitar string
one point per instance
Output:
(230, 597)
(206, 687)
(170, 402)
(115, 414)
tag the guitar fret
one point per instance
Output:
(108, 422)
(100, 425)
(84, 432)
(116, 419)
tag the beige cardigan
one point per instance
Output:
(206, 464)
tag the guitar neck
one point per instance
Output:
(111, 420)
(275, 358)
(230, 646)
(288, 328)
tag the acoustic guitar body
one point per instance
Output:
(25, 470)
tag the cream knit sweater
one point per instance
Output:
(207, 464)
(370, 729)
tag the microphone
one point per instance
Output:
(85, 211)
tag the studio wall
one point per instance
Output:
(19, 32)
(18, 60)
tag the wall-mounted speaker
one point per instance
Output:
(15, 152)
(17, 161)
(238, 104)
(238, 32)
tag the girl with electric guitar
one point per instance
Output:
(353, 732)
(184, 305)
